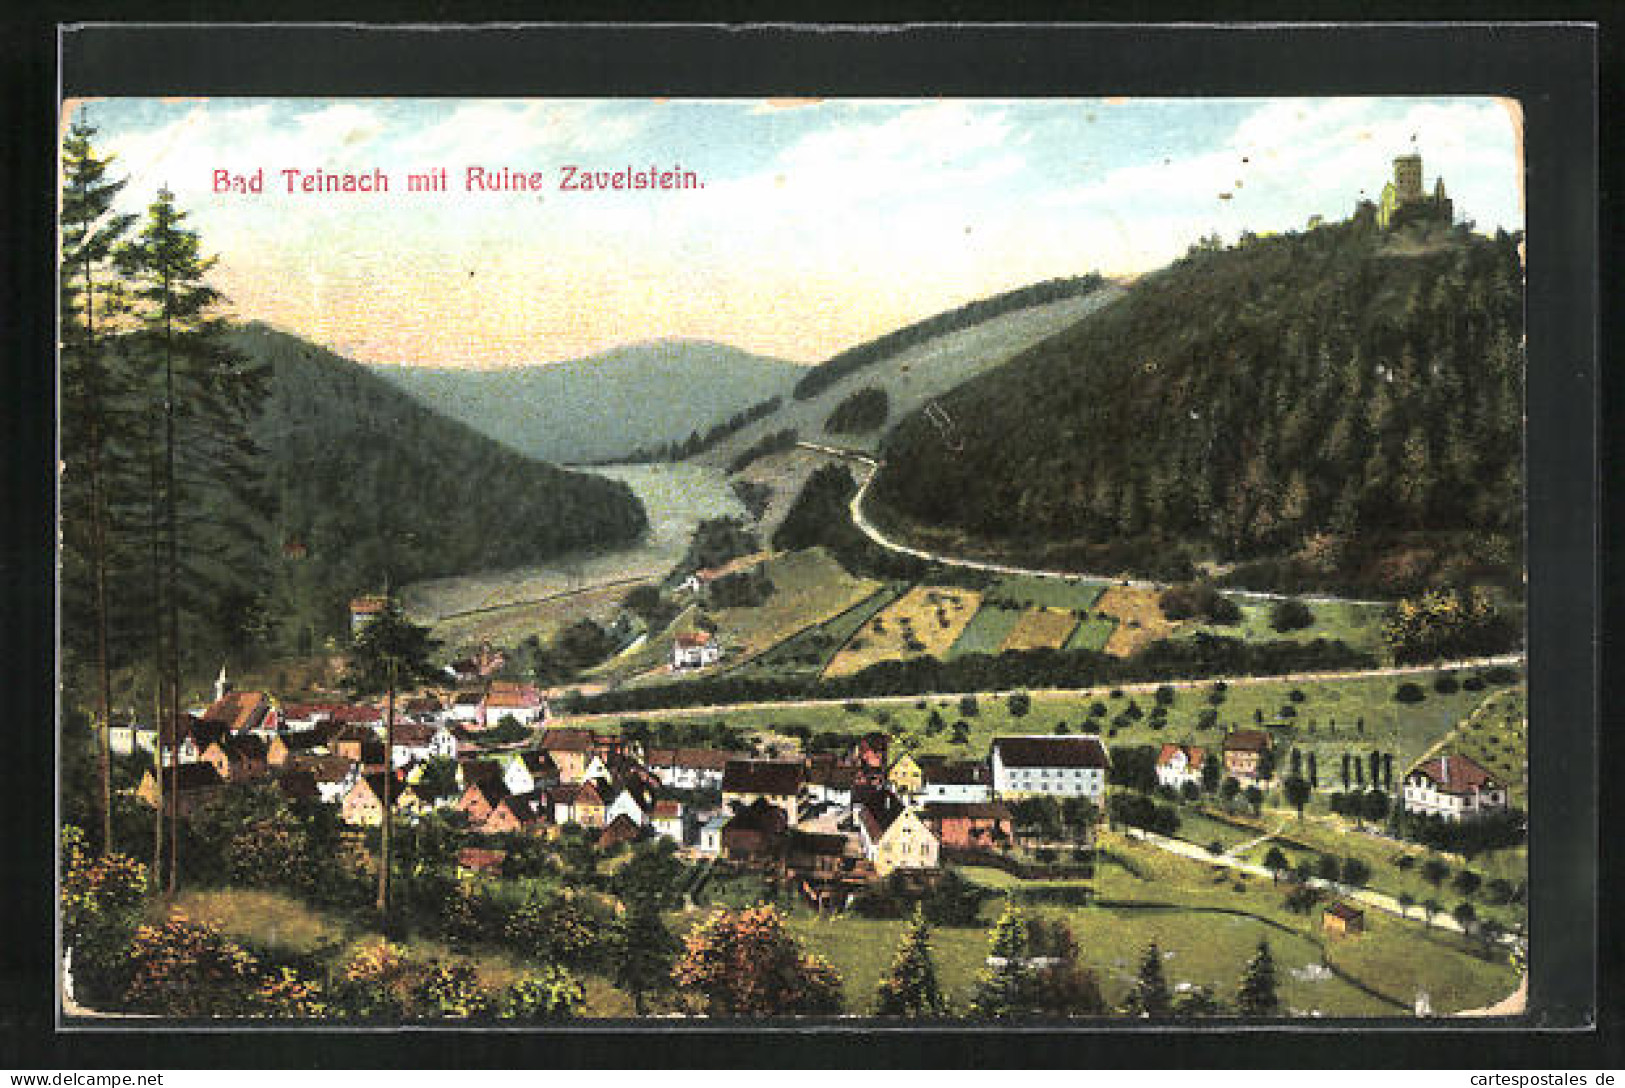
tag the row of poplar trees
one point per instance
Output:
(162, 509)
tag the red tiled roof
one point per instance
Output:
(239, 710)
(1345, 912)
(666, 810)
(1193, 756)
(567, 740)
(1051, 752)
(480, 858)
(1456, 774)
(698, 638)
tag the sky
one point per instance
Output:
(817, 224)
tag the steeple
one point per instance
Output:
(221, 684)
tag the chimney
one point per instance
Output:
(1444, 769)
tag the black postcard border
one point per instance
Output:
(1549, 68)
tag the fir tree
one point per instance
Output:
(911, 989)
(91, 393)
(1151, 997)
(1256, 996)
(644, 951)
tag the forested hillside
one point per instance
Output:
(1338, 408)
(369, 485)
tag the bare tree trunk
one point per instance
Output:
(389, 808)
(174, 582)
(160, 720)
(104, 697)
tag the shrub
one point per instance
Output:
(1445, 684)
(1409, 693)
(1291, 614)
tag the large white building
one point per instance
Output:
(1059, 766)
(1453, 787)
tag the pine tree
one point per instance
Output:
(645, 951)
(91, 388)
(205, 396)
(1256, 996)
(1003, 991)
(911, 989)
(389, 653)
(1151, 997)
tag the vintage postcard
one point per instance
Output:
(974, 561)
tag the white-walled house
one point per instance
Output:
(690, 768)
(956, 782)
(1453, 787)
(419, 741)
(1178, 764)
(710, 842)
(666, 817)
(695, 651)
(1057, 766)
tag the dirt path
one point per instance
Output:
(869, 530)
(1146, 687)
(1380, 900)
(1514, 1004)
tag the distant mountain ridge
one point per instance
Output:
(605, 405)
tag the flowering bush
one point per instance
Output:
(189, 969)
(102, 899)
(284, 993)
(451, 990)
(744, 963)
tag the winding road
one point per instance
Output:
(870, 530)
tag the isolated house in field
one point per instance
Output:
(238, 757)
(1056, 766)
(964, 781)
(778, 782)
(1178, 764)
(185, 787)
(1244, 752)
(979, 825)
(695, 651)
(1343, 920)
(570, 749)
(1453, 787)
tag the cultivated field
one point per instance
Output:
(1496, 737)
(1041, 629)
(810, 650)
(925, 622)
(809, 588)
(1139, 617)
(1359, 625)
(987, 630)
(1093, 633)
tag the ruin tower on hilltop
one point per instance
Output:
(1405, 201)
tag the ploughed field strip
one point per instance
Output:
(927, 621)
(1139, 617)
(1041, 629)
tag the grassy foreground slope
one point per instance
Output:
(1341, 406)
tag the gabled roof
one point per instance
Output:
(423, 704)
(1342, 910)
(239, 710)
(567, 740)
(303, 741)
(522, 698)
(352, 715)
(332, 768)
(1193, 756)
(694, 640)
(414, 734)
(1247, 740)
(527, 807)
(481, 770)
(539, 763)
(699, 759)
(666, 810)
(773, 777)
(1046, 751)
(481, 858)
(620, 829)
(956, 773)
(1456, 774)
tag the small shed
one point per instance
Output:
(1342, 919)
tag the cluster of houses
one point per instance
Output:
(1451, 786)
(833, 821)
